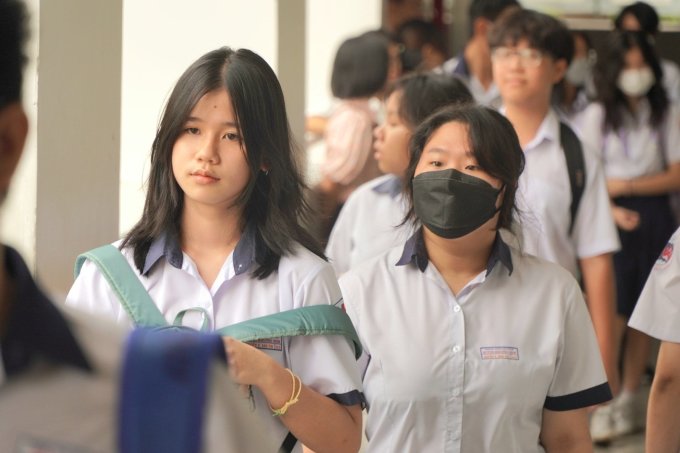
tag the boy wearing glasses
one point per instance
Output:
(530, 53)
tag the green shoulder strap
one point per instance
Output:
(309, 320)
(122, 279)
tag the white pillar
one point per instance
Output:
(65, 196)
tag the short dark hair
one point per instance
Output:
(489, 9)
(423, 94)
(12, 57)
(360, 66)
(423, 32)
(543, 32)
(611, 62)
(644, 13)
(273, 203)
(493, 143)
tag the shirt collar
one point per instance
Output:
(36, 327)
(168, 247)
(416, 253)
(391, 186)
(549, 130)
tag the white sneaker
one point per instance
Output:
(623, 414)
(601, 424)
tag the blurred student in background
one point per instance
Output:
(641, 16)
(370, 222)
(573, 94)
(637, 129)
(360, 72)
(473, 64)
(424, 45)
(531, 52)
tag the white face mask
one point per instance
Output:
(636, 82)
(578, 71)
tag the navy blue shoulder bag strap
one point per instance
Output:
(576, 167)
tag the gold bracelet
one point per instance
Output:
(294, 396)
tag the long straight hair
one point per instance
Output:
(607, 70)
(273, 202)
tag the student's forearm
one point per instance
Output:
(582, 446)
(598, 279)
(663, 432)
(317, 421)
(565, 432)
(658, 184)
(663, 429)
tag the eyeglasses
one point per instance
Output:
(528, 57)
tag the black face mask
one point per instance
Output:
(452, 204)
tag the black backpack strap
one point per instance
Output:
(288, 443)
(576, 167)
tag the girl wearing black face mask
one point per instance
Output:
(472, 345)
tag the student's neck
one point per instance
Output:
(478, 59)
(526, 120)
(633, 103)
(570, 92)
(208, 236)
(459, 260)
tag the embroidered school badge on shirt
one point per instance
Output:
(499, 353)
(665, 257)
(272, 344)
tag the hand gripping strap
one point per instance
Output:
(163, 393)
(310, 320)
(125, 283)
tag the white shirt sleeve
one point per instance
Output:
(579, 364)
(594, 228)
(324, 363)
(671, 80)
(588, 125)
(657, 312)
(671, 135)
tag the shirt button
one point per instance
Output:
(456, 348)
(456, 308)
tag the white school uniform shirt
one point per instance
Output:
(470, 372)
(544, 197)
(657, 312)
(324, 363)
(368, 224)
(636, 149)
(671, 80)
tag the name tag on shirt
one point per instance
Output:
(499, 353)
(271, 344)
